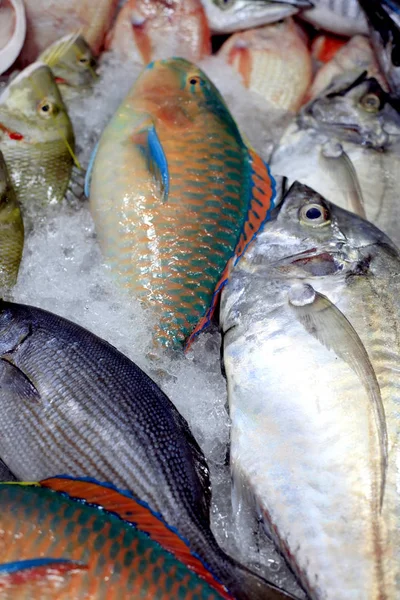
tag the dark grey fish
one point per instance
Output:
(71, 403)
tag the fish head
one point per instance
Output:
(355, 109)
(71, 61)
(313, 237)
(178, 91)
(31, 108)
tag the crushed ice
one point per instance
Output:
(62, 271)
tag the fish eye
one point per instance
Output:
(46, 108)
(370, 102)
(314, 215)
(84, 60)
(194, 80)
(224, 4)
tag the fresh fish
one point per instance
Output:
(274, 61)
(76, 538)
(325, 46)
(345, 144)
(72, 63)
(145, 31)
(357, 56)
(49, 20)
(344, 17)
(36, 136)
(312, 353)
(384, 20)
(227, 16)
(71, 403)
(12, 31)
(11, 231)
(173, 191)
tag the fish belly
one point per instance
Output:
(304, 439)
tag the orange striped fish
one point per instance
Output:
(176, 193)
(76, 538)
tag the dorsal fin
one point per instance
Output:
(262, 192)
(134, 511)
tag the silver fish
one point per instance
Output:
(73, 404)
(226, 16)
(311, 321)
(384, 20)
(344, 17)
(345, 144)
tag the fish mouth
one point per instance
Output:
(315, 262)
(12, 134)
(295, 3)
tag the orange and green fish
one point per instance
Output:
(76, 538)
(175, 194)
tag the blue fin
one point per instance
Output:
(148, 141)
(88, 176)
(35, 563)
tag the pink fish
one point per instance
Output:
(147, 30)
(12, 31)
(274, 61)
(49, 20)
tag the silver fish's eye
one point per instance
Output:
(84, 60)
(46, 108)
(314, 215)
(224, 4)
(370, 102)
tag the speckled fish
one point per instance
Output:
(11, 231)
(227, 16)
(72, 64)
(146, 30)
(12, 32)
(71, 403)
(36, 136)
(344, 17)
(312, 352)
(73, 538)
(346, 145)
(356, 55)
(273, 61)
(174, 193)
(48, 20)
(384, 20)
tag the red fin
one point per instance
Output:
(244, 63)
(133, 511)
(262, 197)
(36, 570)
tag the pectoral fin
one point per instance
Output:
(149, 143)
(36, 570)
(323, 320)
(15, 382)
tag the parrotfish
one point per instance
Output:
(344, 17)
(76, 538)
(11, 231)
(48, 20)
(147, 30)
(274, 62)
(384, 20)
(71, 62)
(12, 31)
(36, 136)
(71, 403)
(175, 193)
(312, 354)
(226, 16)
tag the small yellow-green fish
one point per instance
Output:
(36, 136)
(11, 230)
(72, 63)
(175, 192)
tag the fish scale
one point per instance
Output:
(171, 251)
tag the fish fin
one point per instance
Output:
(16, 380)
(88, 176)
(129, 509)
(324, 321)
(149, 143)
(36, 570)
(340, 166)
(261, 202)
